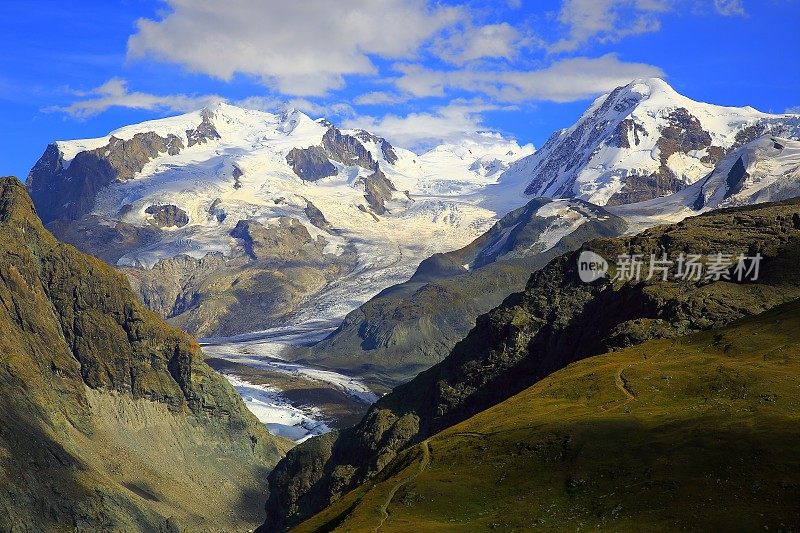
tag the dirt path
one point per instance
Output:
(426, 460)
(622, 385)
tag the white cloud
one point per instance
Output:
(115, 93)
(419, 131)
(729, 8)
(313, 109)
(793, 110)
(607, 20)
(299, 48)
(476, 42)
(381, 98)
(564, 81)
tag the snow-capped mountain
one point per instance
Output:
(766, 169)
(641, 141)
(240, 213)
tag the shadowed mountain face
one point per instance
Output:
(696, 433)
(110, 418)
(555, 321)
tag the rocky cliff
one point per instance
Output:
(110, 418)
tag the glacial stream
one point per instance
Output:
(280, 393)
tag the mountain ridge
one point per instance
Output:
(555, 321)
(91, 380)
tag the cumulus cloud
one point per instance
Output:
(420, 131)
(607, 20)
(729, 8)
(382, 98)
(497, 41)
(564, 81)
(115, 93)
(299, 48)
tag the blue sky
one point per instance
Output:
(415, 71)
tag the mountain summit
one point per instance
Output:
(639, 142)
(227, 219)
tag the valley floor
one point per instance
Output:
(293, 400)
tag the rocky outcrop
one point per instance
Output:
(314, 163)
(67, 192)
(316, 217)
(204, 132)
(682, 134)
(378, 190)
(347, 149)
(168, 216)
(90, 380)
(386, 148)
(289, 239)
(556, 320)
(310, 164)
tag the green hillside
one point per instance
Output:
(700, 432)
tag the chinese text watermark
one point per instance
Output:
(686, 267)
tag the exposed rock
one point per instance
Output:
(378, 190)
(68, 193)
(347, 149)
(237, 173)
(215, 210)
(386, 149)
(204, 132)
(286, 240)
(316, 217)
(168, 216)
(683, 134)
(310, 164)
(555, 321)
(625, 130)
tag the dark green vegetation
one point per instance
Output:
(109, 418)
(700, 433)
(411, 326)
(555, 321)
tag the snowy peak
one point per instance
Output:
(764, 170)
(642, 141)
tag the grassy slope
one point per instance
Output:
(699, 432)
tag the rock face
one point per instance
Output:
(556, 320)
(413, 325)
(53, 187)
(386, 149)
(639, 142)
(346, 149)
(203, 133)
(90, 380)
(378, 190)
(310, 164)
(168, 216)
